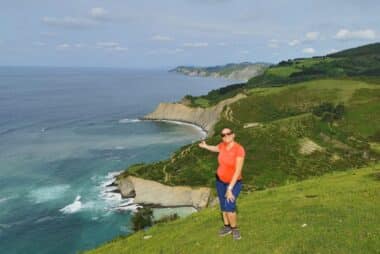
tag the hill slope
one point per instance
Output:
(335, 213)
(239, 71)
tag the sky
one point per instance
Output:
(168, 33)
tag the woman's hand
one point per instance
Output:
(229, 196)
(202, 144)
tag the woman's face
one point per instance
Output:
(227, 135)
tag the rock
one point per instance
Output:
(156, 194)
(203, 117)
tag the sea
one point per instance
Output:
(65, 132)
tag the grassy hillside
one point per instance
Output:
(283, 125)
(335, 213)
(362, 63)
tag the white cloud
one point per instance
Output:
(195, 44)
(164, 51)
(364, 34)
(330, 51)
(222, 44)
(69, 22)
(79, 45)
(312, 36)
(111, 46)
(244, 52)
(308, 51)
(63, 46)
(294, 43)
(118, 48)
(161, 38)
(39, 44)
(99, 13)
(273, 43)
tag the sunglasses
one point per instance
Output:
(225, 134)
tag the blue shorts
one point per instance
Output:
(221, 188)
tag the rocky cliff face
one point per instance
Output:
(203, 117)
(156, 194)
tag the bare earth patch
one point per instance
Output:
(307, 146)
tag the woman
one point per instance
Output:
(228, 179)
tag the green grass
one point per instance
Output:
(340, 210)
(273, 156)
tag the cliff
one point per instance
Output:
(152, 193)
(203, 117)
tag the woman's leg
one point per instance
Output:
(231, 214)
(221, 190)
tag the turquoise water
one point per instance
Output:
(63, 133)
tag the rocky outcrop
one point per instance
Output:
(147, 192)
(203, 117)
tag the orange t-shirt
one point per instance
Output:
(227, 161)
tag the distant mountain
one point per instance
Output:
(235, 71)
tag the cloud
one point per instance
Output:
(161, 38)
(107, 44)
(312, 36)
(63, 46)
(99, 13)
(195, 44)
(39, 44)
(294, 43)
(164, 51)
(309, 36)
(244, 52)
(79, 45)
(308, 51)
(111, 46)
(273, 43)
(331, 51)
(69, 22)
(222, 44)
(364, 34)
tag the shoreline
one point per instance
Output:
(203, 131)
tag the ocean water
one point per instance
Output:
(64, 133)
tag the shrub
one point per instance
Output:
(142, 219)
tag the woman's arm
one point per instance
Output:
(239, 168)
(203, 144)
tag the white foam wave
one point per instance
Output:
(48, 193)
(73, 207)
(114, 200)
(127, 120)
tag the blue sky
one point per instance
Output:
(167, 33)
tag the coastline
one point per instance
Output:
(201, 129)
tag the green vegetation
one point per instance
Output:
(334, 213)
(300, 119)
(221, 70)
(142, 219)
(273, 148)
(362, 63)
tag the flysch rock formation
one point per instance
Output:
(203, 117)
(147, 192)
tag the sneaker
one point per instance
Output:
(236, 234)
(225, 231)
